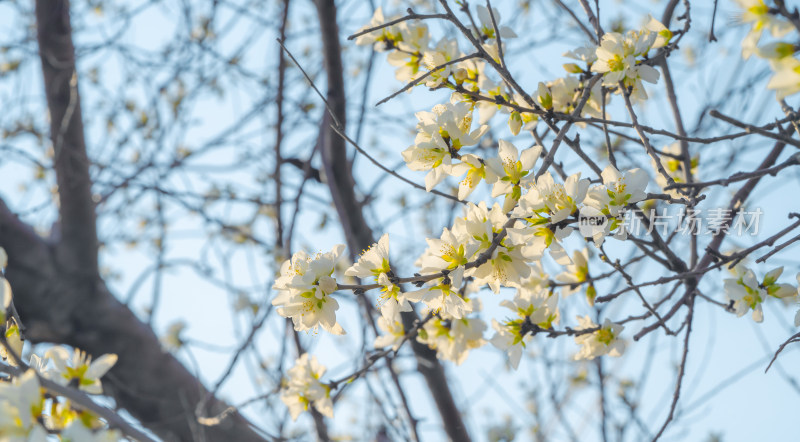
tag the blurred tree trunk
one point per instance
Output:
(57, 287)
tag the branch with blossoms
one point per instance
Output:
(504, 243)
(28, 391)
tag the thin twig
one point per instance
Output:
(711, 36)
(749, 128)
(681, 371)
(794, 338)
(411, 16)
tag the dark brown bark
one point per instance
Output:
(148, 382)
(357, 232)
(78, 247)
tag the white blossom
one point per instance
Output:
(79, 370)
(506, 265)
(535, 238)
(303, 388)
(442, 296)
(453, 338)
(475, 171)
(413, 42)
(618, 190)
(748, 294)
(663, 35)
(487, 26)
(577, 273)
(530, 309)
(514, 170)
(453, 249)
(617, 60)
(374, 263)
(21, 406)
(381, 39)
(471, 75)
(758, 13)
(394, 333)
(786, 80)
(448, 127)
(445, 51)
(604, 341)
(13, 341)
(487, 31)
(304, 289)
(555, 200)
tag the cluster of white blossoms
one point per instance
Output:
(532, 307)
(488, 33)
(441, 134)
(412, 49)
(453, 338)
(304, 289)
(501, 245)
(483, 248)
(746, 293)
(444, 133)
(781, 54)
(29, 413)
(622, 57)
(563, 94)
(303, 388)
(374, 263)
(409, 39)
